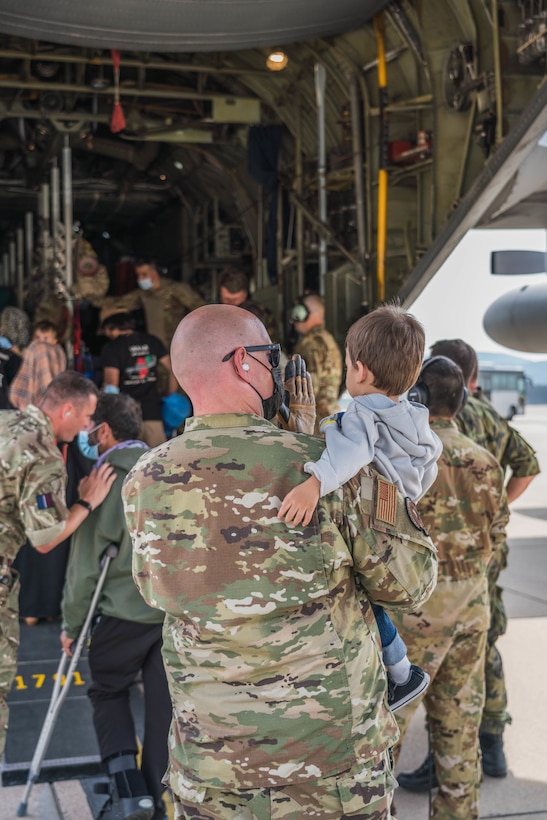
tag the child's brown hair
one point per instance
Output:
(391, 343)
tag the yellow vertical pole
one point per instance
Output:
(383, 155)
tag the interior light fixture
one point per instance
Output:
(277, 61)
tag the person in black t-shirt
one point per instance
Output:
(129, 360)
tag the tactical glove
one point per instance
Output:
(299, 397)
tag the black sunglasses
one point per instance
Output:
(275, 353)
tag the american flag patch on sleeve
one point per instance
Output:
(385, 506)
(44, 502)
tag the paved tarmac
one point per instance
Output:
(523, 793)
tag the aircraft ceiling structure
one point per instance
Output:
(424, 103)
(183, 25)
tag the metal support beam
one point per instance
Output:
(299, 170)
(165, 92)
(29, 244)
(320, 82)
(67, 209)
(357, 146)
(166, 65)
(20, 250)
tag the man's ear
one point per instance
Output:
(241, 366)
(104, 431)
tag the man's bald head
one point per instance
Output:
(202, 339)
(316, 313)
(315, 305)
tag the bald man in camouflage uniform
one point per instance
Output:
(273, 662)
(465, 512)
(481, 422)
(321, 353)
(32, 496)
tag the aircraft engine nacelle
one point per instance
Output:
(518, 319)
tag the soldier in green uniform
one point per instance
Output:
(272, 656)
(163, 300)
(478, 420)
(164, 303)
(465, 512)
(32, 496)
(321, 353)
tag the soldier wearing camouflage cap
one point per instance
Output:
(273, 661)
(320, 351)
(465, 512)
(32, 495)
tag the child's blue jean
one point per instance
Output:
(393, 646)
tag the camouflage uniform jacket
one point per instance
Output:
(273, 664)
(163, 307)
(32, 481)
(478, 420)
(465, 511)
(322, 355)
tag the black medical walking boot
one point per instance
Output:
(494, 763)
(421, 779)
(130, 799)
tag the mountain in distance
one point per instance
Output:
(535, 371)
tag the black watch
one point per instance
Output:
(84, 503)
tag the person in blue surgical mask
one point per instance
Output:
(86, 448)
(163, 300)
(127, 635)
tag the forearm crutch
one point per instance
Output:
(60, 691)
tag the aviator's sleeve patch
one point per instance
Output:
(45, 501)
(42, 505)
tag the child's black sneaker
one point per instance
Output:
(399, 694)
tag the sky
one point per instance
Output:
(453, 303)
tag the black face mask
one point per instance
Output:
(272, 405)
(278, 401)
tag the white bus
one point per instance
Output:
(504, 387)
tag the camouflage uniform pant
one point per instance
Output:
(453, 702)
(495, 715)
(361, 794)
(9, 643)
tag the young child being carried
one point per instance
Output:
(384, 353)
